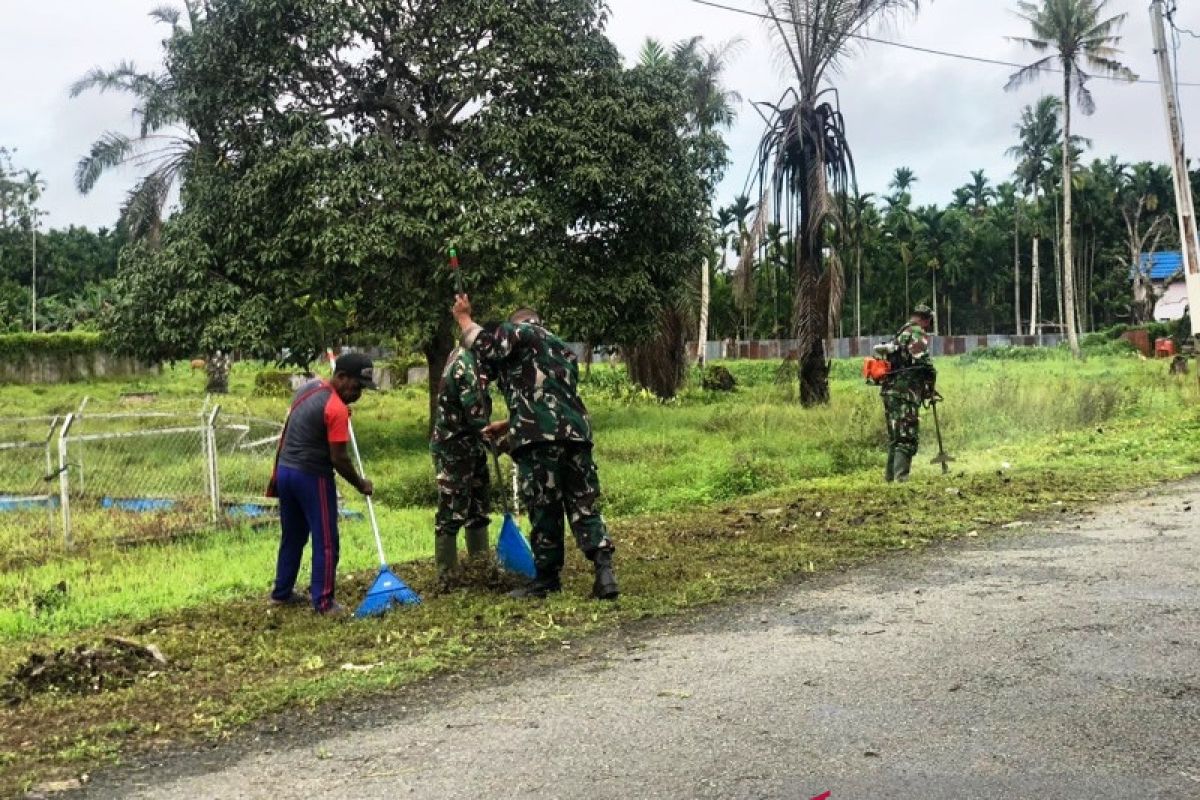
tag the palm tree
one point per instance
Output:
(712, 106)
(902, 180)
(1038, 131)
(862, 219)
(164, 146)
(805, 159)
(1077, 33)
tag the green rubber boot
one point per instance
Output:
(901, 465)
(445, 557)
(477, 542)
(889, 473)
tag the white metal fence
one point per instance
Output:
(132, 474)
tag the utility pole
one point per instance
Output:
(1183, 189)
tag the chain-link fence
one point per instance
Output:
(28, 495)
(133, 471)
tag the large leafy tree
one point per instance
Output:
(358, 141)
(1078, 41)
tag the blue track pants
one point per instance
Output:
(307, 506)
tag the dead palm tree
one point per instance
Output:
(1079, 36)
(805, 160)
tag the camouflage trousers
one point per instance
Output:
(558, 481)
(902, 411)
(462, 480)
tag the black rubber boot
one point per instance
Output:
(605, 585)
(889, 473)
(901, 464)
(477, 542)
(546, 583)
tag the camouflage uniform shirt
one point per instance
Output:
(912, 368)
(539, 377)
(464, 406)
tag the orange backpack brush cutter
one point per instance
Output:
(875, 370)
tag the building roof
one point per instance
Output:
(1162, 265)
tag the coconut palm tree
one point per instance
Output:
(1079, 36)
(805, 160)
(902, 180)
(1038, 131)
(862, 220)
(164, 145)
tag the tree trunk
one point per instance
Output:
(660, 364)
(702, 338)
(1058, 265)
(1016, 269)
(933, 272)
(858, 290)
(1035, 329)
(949, 315)
(811, 321)
(216, 367)
(1068, 270)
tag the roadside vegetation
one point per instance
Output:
(710, 496)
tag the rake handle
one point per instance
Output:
(937, 427)
(499, 478)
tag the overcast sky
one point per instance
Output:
(939, 116)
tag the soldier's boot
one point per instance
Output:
(445, 557)
(546, 583)
(901, 465)
(605, 585)
(477, 542)
(889, 472)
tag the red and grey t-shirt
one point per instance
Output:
(321, 419)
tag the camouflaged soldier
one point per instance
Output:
(464, 409)
(550, 435)
(909, 382)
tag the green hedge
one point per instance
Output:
(73, 343)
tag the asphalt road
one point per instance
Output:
(1051, 661)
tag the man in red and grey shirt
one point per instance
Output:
(312, 448)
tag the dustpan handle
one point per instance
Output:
(358, 463)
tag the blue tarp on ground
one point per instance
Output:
(14, 503)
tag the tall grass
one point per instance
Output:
(654, 458)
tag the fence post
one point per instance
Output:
(64, 482)
(50, 472)
(210, 448)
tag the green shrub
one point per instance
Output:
(72, 343)
(1006, 353)
(273, 383)
(718, 379)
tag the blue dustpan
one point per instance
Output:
(387, 591)
(512, 551)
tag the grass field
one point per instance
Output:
(685, 487)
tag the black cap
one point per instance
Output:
(357, 366)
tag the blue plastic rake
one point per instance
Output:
(512, 550)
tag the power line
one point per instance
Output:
(1171, 21)
(915, 48)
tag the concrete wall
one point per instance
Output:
(55, 368)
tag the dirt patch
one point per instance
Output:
(480, 575)
(85, 669)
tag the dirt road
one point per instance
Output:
(1049, 661)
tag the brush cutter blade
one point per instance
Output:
(512, 551)
(387, 591)
(942, 458)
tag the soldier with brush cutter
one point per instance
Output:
(909, 381)
(460, 456)
(550, 435)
